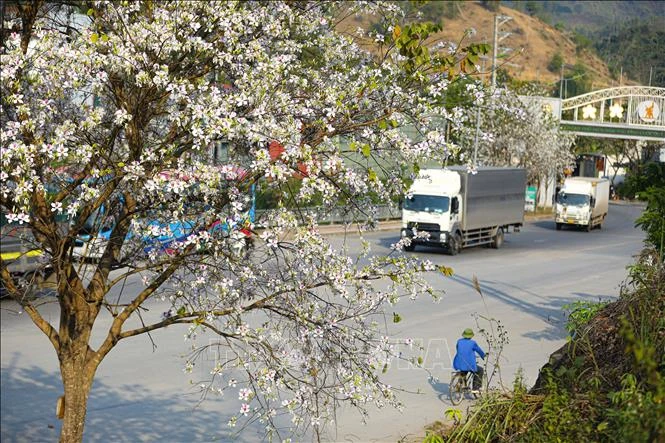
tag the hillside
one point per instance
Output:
(627, 35)
(533, 44)
(591, 17)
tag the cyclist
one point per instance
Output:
(465, 358)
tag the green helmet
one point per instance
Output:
(468, 333)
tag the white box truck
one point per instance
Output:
(582, 201)
(454, 208)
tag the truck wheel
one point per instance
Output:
(497, 241)
(559, 226)
(589, 226)
(455, 244)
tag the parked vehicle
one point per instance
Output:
(455, 209)
(18, 249)
(21, 255)
(582, 201)
(91, 243)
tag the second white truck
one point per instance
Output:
(582, 202)
(455, 209)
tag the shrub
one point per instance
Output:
(652, 220)
(583, 398)
(555, 63)
(579, 314)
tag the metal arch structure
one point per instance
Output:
(626, 112)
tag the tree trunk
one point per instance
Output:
(77, 377)
(78, 363)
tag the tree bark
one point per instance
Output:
(78, 362)
(77, 378)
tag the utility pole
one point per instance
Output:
(498, 21)
(561, 85)
(475, 140)
(621, 77)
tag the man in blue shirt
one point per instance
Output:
(465, 358)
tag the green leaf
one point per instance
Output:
(182, 310)
(90, 12)
(396, 317)
(94, 37)
(420, 360)
(105, 38)
(365, 150)
(602, 426)
(371, 175)
(383, 125)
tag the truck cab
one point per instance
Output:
(456, 208)
(430, 212)
(582, 202)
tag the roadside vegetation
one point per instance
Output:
(607, 383)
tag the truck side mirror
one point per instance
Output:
(593, 202)
(455, 206)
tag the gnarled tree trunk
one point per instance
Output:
(77, 379)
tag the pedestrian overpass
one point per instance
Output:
(625, 112)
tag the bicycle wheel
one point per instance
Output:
(456, 388)
(483, 386)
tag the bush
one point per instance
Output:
(643, 177)
(594, 392)
(580, 314)
(652, 220)
(582, 42)
(490, 5)
(556, 63)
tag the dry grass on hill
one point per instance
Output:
(533, 43)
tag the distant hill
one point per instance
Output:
(590, 17)
(534, 44)
(629, 36)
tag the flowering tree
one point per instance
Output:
(529, 137)
(516, 131)
(108, 117)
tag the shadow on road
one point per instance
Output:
(440, 388)
(128, 413)
(551, 311)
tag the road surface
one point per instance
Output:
(143, 395)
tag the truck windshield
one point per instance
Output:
(572, 199)
(427, 203)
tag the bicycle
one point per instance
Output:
(461, 384)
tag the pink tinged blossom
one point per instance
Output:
(244, 394)
(244, 409)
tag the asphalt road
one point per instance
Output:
(141, 394)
